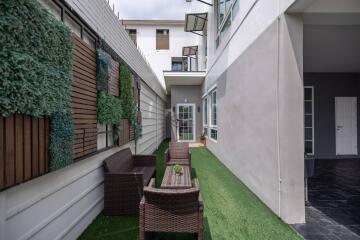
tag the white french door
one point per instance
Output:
(346, 125)
(186, 122)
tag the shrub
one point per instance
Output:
(35, 60)
(109, 110)
(61, 140)
(126, 96)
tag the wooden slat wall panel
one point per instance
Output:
(10, 151)
(27, 147)
(83, 99)
(24, 153)
(124, 132)
(35, 146)
(19, 148)
(2, 152)
(113, 84)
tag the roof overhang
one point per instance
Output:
(195, 22)
(190, 51)
(183, 78)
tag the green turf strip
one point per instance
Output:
(232, 211)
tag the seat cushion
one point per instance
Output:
(178, 150)
(121, 161)
(181, 161)
(147, 171)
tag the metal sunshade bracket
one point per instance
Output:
(210, 4)
(196, 16)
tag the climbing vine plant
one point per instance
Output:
(35, 67)
(109, 110)
(127, 100)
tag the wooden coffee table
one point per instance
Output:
(176, 181)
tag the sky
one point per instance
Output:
(150, 9)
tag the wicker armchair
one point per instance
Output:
(169, 210)
(178, 153)
(124, 179)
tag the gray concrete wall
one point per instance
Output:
(58, 205)
(329, 48)
(186, 94)
(326, 87)
(260, 119)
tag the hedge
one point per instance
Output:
(61, 140)
(35, 60)
(35, 67)
(108, 109)
(103, 64)
(126, 91)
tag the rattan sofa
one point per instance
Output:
(124, 178)
(178, 153)
(170, 210)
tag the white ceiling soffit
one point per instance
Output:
(190, 51)
(195, 22)
(333, 19)
(325, 6)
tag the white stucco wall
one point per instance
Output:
(259, 82)
(160, 60)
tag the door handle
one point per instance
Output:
(339, 127)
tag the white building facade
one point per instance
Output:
(257, 121)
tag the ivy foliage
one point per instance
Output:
(109, 110)
(103, 64)
(126, 96)
(129, 107)
(61, 140)
(135, 123)
(35, 60)
(35, 67)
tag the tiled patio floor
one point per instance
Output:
(334, 194)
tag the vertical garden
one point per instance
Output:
(112, 109)
(35, 67)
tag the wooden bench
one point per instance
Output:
(125, 176)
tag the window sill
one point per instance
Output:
(213, 140)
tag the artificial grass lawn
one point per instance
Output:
(232, 211)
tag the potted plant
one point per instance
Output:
(178, 169)
(203, 139)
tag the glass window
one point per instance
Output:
(72, 24)
(104, 136)
(213, 134)
(132, 34)
(205, 113)
(162, 39)
(221, 11)
(309, 120)
(226, 12)
(213, 109)
(89, 39)
(213, 115)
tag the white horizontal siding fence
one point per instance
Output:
(61, 204)
(161, 128)
(151, 136)
(58, 205)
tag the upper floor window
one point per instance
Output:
(132, 34)
(226, 11)
(179, 64)
(162, 39)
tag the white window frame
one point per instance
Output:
(228, 16)
(210, 119)
(312, 119)
(205, 103)
(194, 121)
